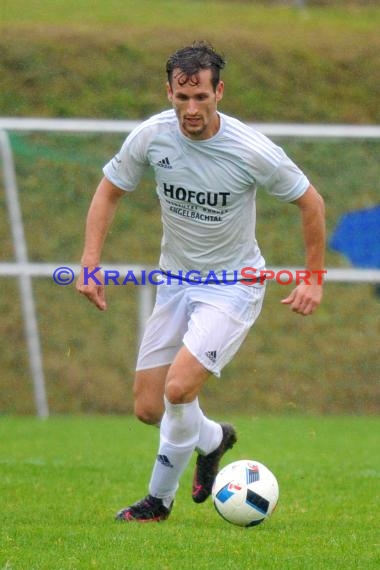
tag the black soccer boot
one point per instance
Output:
(207, 466)
(148, 509)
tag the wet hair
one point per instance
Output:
(190, 60)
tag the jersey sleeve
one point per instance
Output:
(287, 182)
(274, 171)
(125, 169)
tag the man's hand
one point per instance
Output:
(305, 298)
(94, 292)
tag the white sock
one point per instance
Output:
(210, 436)
(179, 435)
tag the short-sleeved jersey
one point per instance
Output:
(207, 190)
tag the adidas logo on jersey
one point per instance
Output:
(164, 163)
(211, 354)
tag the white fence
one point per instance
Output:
(25, 270)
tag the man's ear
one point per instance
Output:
(169, 91)
(219, 91)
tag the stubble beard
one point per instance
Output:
(194, 132)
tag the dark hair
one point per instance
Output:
(191, 60)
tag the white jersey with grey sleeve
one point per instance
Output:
(207, 190)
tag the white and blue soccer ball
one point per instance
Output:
(245, 493)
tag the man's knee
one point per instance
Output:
(185, 378)
(175, 391)
(147, 414)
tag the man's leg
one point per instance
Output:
(179, 432)
(183, 384)
(148, 392)
(180, 425)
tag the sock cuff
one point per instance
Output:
(179, 408)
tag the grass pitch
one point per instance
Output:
(62, 480)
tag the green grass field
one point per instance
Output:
(62, 480)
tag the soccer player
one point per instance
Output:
(208, 167)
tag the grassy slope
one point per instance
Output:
(53, 65)
(62, 59)
(63, 480)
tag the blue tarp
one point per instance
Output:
(357, 236)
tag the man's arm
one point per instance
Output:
(99, 218)
(305, 298)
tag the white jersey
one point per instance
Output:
(207, 190)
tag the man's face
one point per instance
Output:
(196, 104)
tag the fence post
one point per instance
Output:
(24, 279)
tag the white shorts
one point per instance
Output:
(212, 321)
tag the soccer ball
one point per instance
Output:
(245, 493)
